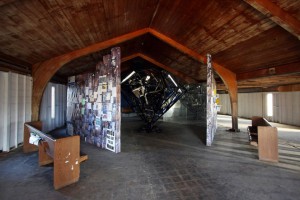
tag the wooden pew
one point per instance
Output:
(64, 153)
(263, 135)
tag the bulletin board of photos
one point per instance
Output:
(94, 104)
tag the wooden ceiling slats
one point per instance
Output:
(271, 48)
(56, 27)
(239, 36)
(217, 24)
(292, 7)
(270, 81)
(278, 15)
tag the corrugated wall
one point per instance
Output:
(15, 108)
(286, 106)
(50, 124)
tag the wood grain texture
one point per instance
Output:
(55, 27)
(291, 68)
(44, 158)
(278, 15)
(66, 161)
(209, 26)
(270, 49)
(238, 36)
(268, 143)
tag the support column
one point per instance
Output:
(229, 79)
(232, 90)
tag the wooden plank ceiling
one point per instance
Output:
(257, 42)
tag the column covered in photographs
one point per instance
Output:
(94, 104)
(211, 103)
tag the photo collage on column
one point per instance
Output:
(93, 110)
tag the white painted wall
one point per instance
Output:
(50, 124)
(286, 106)
(15, 108)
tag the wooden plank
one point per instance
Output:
(278, 70)
(66, 161)
(49, 148)
(268, 143)
(178, 46)
(183, 76)
(278, 15)
(44, 158)
(261, 52)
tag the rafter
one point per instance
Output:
(42, 72)
(183, 76)
(292, 68)
(278, 15)
(226, 75)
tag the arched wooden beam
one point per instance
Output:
(42, 72)
(228, 77)
(183, 76)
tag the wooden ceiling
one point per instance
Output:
(256, 39)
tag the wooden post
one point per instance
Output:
(232, 90)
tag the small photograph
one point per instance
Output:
(104, 87)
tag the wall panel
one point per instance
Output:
(50, 124)
(286, 106)
(15, 108)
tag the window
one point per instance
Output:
(270, 105)
(53, 102)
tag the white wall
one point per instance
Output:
(286, 106)
(50, 124)
(15, 108)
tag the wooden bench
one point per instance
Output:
(263, 135)
(64, 153)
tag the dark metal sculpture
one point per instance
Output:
(151, 93)
(195, 99)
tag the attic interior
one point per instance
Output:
(255, 56)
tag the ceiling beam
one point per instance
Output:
(291, 68)
(182, 76)
(288, 88)
(55, 63)
(227, 76)
(178, 46)
(278, 15)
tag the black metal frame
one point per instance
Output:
(151, 93)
